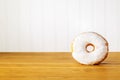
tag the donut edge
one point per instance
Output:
(107, 45)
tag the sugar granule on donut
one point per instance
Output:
(89, 48)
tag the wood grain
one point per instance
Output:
(55, 66)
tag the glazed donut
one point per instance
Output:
(89, 48)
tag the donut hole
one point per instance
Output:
(90, 47)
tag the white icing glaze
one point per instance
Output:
(80, 53)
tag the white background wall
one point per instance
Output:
(50, 25)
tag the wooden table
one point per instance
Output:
(55, 66)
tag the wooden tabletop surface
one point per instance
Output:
(55, 66)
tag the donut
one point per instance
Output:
(89, 48)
